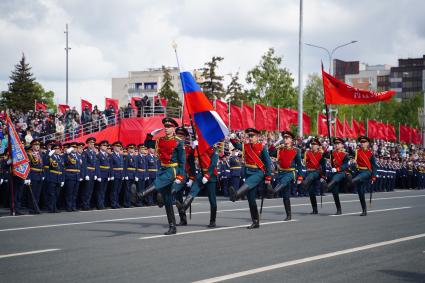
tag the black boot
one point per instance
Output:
(185, 205)
(314, 204)
(171, 220)
(213, 214)
(287, 204)
(183, 219)
(147, 192)
(255, 217)
(363, 203)
(337, 204)
(234, 196)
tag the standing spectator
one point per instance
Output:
(110, 115)
(28, 136)
(86, 118)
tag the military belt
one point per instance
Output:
(104, 167)
(169, 165)
(131, 169)
(117, 169)
(91, 168)
(73, 170)
(251, 166)
(37, 169)
(56, 172)
(236, 167)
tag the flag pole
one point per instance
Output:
(228, 114)
(9, 147)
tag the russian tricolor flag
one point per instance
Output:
(209, 127)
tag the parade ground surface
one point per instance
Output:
(127, 245)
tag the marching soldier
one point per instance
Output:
(104, 161)
(339, 161)
(366, 170)
(235, 168)
(130, 174)
(72, 176)
(170, 150)
(117, 166)
(315, 164)
(55, 178)
(152, 169)
(90, 170)
(257, 170)
(141, 174)
(36, 175)
(289, 165)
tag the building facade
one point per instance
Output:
(342, 68)
(408, 79)
(370, 77)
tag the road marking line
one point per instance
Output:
(163, 215)
(29, 253)
(307, 259)
(372, 211)
(214, 229)
(16, 216)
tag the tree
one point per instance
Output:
(271, 83)
(313, 95)
(23, 90)
(234, 92)
(212, 85)
(167, 91)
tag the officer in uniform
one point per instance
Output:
(225, 177)
(339, 160)
(235, 164)
(90, 170)
(36, 176)
(257, 170)
(117, 166)
(315, 164)
(366, 170)
(141, 173)
(170, 150)
(55, 178)
(289, 165)
(104, 161)
(130, 174)
(72, 176)
(152, 169)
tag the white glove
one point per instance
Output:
(27, 182)
(87, 178)
(62, 183)
(177, 181)
(333, 170)
(278, 141)
(51, 152)
(299, 182)
(99, 179)
(204, 180)
(42, 179)
(233, 136)
(95, 177)
(112, 178)
(122, 178)
(9, 161)
(194, 144)
(136, 179)
(330, 148)
(69, 150)
(81, 179)
(146, 178)
(154, 132)
(126, 177)
(189, 183)
(1, 181)
(243, 179)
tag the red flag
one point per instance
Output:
(340, 131)
(416, 136)
(349, 132)
(405, 134)
(111, 102)
(322, 126)
(337, 92)
(358, 128)
(286, 119)
(265, 117)
(377, 130)
(85, 103)
(248, 117)
(40, 106)
(222, 109)
(133, 102)
(236, 118)
(306, 124)
(63, 107)
(391, 136)
(163, 102)
(17, 154)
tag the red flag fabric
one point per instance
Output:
(63, 107)
(391, 135)
(322, 126)
(340, 131)
(111, 102)
(163, 102)
(236, 118)
(85, 103)
(222, 109)
(306, 124)
(405, 134)
(337, 92)
(349, 132)
(377, 130)
(133, 102)
(17, 153)
(265, 117)
(358, 128)
(248, 117)
(40, 106)
(416, 136)
(287, 117)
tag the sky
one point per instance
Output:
(108, 38)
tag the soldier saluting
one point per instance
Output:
(257, 170)
(171, 153)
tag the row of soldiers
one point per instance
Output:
(82, 175)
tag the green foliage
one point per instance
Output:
(234, 92)
(271, 83)
(167, 90)
(24, 90)
(212, 85)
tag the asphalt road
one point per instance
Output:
(127, 245)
